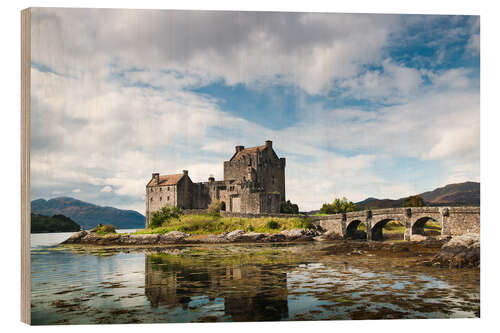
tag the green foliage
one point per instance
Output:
(56, 223)
(304, 224)
(164, 215)
(208, 224)
(338, 206)
(214, 208)
(104, 229)
(413, 201)
(272, 224)
(286, 207)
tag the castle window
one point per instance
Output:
(168, 198)
(168, 188)
(160, 191)
(160, 198)
(273, 180)
(151, 199)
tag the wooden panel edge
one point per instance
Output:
(25, 165)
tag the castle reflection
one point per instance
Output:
(250, 291)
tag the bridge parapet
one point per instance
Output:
(356, 214)
(453, 220)
(464, 210)
(389, 211)
(420, 210)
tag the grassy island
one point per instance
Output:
(214, 224)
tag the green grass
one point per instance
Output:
(394, 227)
(207, 224)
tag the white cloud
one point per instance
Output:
(77, 190)
(309, 50)
(392, 83)
(106, 189)
(112, 113)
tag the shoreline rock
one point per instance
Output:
(177, 237)
(460, 251)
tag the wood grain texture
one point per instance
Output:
(25, 165)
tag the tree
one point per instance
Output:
(164, 215)
(286, 207)
(338, 206)
(414, 201)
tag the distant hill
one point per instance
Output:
(55, 223)
(88, 215)
(461, 194)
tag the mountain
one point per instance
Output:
(56, 223)
(88, 215)
(461, 194)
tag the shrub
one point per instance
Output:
(304, 224)
(338, 206)
(164, 215)
(413, 201)
(214, 208)
(286, 207)
(272, 224)
(104, 229)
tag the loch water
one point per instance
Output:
(246, 282)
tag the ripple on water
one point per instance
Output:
(72, 285)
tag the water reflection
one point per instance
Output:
(240, 283)
(249, 291)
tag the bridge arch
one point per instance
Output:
(352, 229)
(418, 226)
(377, 227)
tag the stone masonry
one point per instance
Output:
(454, 221)
(254, 182)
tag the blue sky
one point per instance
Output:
(361, 105)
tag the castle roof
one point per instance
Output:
(247, 152)
(167, 180)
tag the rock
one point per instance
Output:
(174, 236)
(141, 239)
(329, 235)
(234, 236)
(460, 251)
(76, 237)
(252, 236)
(299, 234)
(419, 238)
(274, 238)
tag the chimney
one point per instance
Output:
(185, 172)
(156, 177)
(269, 144)
(239, 148)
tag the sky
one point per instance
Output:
(360, 105)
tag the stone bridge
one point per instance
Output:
(453, 221)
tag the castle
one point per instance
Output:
(254, 182)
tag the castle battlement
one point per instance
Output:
(254, 182)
